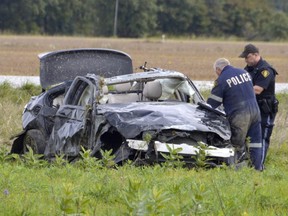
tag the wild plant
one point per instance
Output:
(201, 160)
(147, 137)
(28, 159)
(4, 154)
(33, 160)
(173, 159)
(157, 201)
(134, 198)
(72, 202)
(198, 198)
(107, 159)
(141, 201)
(86, 161)
(59, 161)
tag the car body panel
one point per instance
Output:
(185, 149)
(71, 121)
(41, 108)
(134, 118)
(60, 66)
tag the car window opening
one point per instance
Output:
(86, 95)
(167, 89)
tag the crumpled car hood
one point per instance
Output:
(132, 119)
(60, 66)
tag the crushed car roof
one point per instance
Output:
(63, 65)
(155, 74)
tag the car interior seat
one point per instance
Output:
(152, 90)
(122, 94)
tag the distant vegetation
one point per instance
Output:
(250, 20)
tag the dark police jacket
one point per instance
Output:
(263, 75)
(234, 89)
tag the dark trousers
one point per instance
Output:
(246, 123)
(267, 124)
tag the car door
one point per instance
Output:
(73, 119)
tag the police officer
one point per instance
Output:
(234, 90)
(263, 78)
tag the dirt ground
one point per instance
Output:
(19, 54)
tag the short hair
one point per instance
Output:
(221, 63)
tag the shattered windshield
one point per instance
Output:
(171, 85)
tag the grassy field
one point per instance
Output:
(29, 186)
(18, 54)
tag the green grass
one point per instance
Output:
(52, 190)
(29, 186)
(12, 104)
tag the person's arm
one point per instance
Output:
(258, 89)
(215, 99)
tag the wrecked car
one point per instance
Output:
(57, 71)
(141, 116)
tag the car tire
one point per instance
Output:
(34, 139)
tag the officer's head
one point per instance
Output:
(220, 64)
(250, 54)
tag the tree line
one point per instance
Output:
(248, 19)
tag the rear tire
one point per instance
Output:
(35, 140)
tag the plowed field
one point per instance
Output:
(18, 54)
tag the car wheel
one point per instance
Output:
(35, 140)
